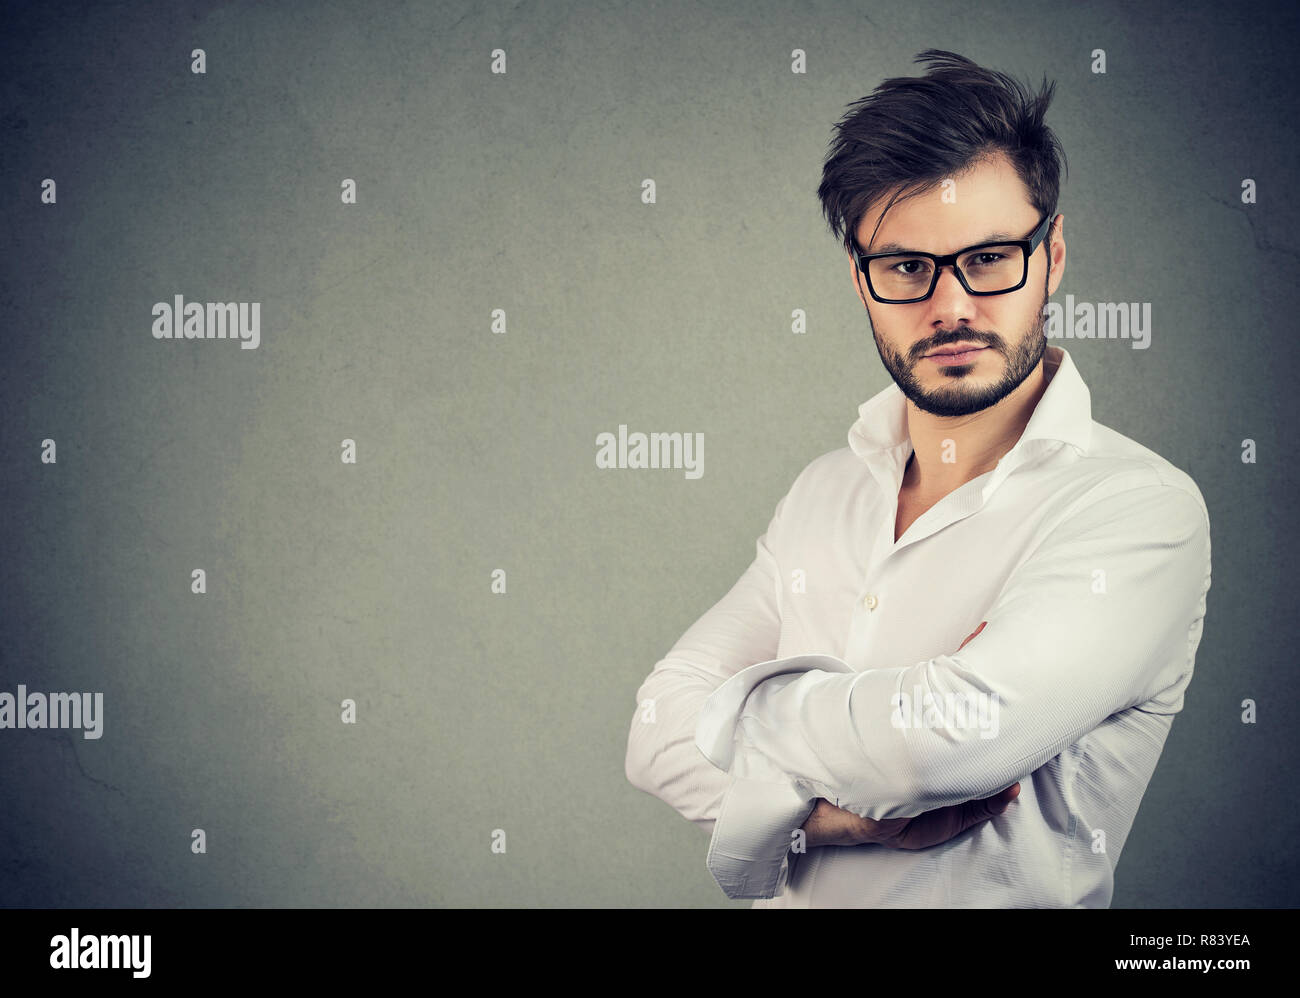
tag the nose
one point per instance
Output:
(950, 305)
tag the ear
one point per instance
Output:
(1057, 259)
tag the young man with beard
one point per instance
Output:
(947, 677)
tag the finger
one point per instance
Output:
(975, 811)
(972, 635)
(944, 823)
(1001, 800)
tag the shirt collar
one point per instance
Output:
(1063, 415)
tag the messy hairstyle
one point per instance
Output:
(911, 133)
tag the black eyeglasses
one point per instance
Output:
(996, 268)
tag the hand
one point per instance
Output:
(829, 825)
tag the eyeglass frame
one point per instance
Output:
(1028, 246)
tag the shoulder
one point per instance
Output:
(1120, 469)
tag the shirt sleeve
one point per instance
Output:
(742, 628)
(749, 852)
(1103, 616)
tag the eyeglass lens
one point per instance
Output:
(989, 268)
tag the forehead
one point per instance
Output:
(986, 201)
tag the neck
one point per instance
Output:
(948, 451)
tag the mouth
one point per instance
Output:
(956, 353)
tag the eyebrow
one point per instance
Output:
(992, 237)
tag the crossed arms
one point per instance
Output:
(1058, 656)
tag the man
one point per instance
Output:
(948, 674)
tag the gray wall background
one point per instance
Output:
(476, 451)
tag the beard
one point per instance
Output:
(960, 395)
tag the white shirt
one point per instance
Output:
(1089, 557)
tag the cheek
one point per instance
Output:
(1014, 322)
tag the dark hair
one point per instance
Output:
(913, 132)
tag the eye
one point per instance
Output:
(921, 264)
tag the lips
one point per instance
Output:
(957, 349)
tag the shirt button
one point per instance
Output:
(870, 601)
